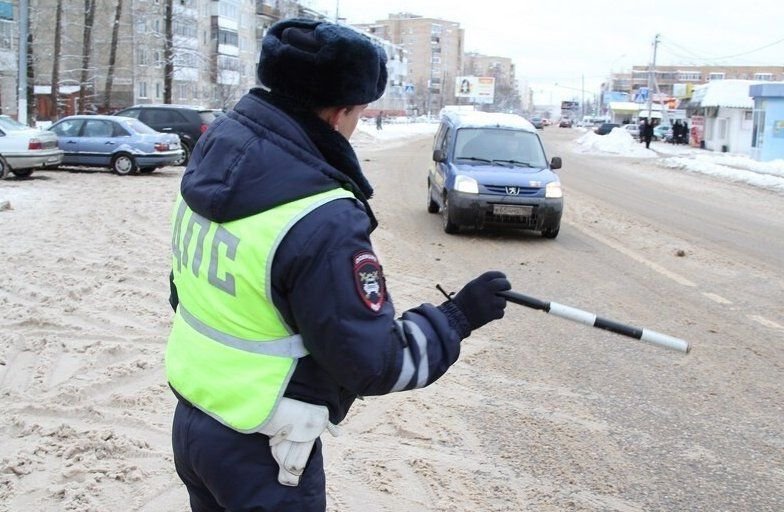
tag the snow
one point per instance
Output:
(725, 93)
(617, 144)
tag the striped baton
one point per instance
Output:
(584, 317)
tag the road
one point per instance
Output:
(538, 414)
(567, 417)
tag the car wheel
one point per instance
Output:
(123, 164)
(449, 226)
(432, 206)
(22, 173)
(186, 154)
(4, 169)
(551, 233)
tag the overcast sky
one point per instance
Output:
(563, 42)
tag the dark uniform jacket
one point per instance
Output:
(257, 157)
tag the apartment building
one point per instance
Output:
(8, 55)
(433, 49)
(507, 97)
(214, 53)
(669, 78)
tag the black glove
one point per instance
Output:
(478, 300)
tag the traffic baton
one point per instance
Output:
(584, 317)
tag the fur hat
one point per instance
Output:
(321, 64)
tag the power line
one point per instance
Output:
(704, 58)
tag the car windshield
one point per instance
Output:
(500, 146)
(8, 123)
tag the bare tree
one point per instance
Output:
(32, 108)
(107, 96)
(168, 52)
(58, 34)
(89, 18)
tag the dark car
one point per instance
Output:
(565, 122)
(605, 128)
(491, 170)
(538, 122)
(123, 144)
(186, 121)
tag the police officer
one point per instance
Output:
(282, 316)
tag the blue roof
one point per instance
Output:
(767, 90)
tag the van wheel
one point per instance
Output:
(432, 206)
(449, 226)
(551, 233)
(123, 164)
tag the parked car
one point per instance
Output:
(538, 122)
(122, 144)
(491, 170)
(633, 130)
(605, 128)
(24, 149)
(662, 132)
(186, 121)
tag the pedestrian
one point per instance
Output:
(677, 132)
(647, 133)
(379, 121)
(685, 132)
(282, 313)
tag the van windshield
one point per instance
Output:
(499, 145)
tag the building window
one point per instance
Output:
(6, 35)
(691, 76)
(142, 57)
(157, 89)
(721, 128)
(229, 9)
(228, 37)
(185, 28)
(715, 76)
(142, 89)
(763, 76)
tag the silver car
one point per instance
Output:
(24, 149)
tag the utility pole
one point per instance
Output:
(651, 71)
(582, 95)
(24, 18)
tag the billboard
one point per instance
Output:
(478, 89)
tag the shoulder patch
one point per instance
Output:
(369, 280)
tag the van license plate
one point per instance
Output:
(512, 211)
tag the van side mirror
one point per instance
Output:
(555, 163)
(439, 156)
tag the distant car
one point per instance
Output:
(24, 149)
(491, 170)
(538, 122)
(186, 121)
(565, 123)
(605, 128)
(633, 130)
(662, 132)
(123, 144)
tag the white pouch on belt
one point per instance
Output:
(292, 429)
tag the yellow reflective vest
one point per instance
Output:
(230, 353)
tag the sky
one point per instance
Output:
(576, 45)
(617, 144)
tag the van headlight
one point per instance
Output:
(553, 190)
(466, 184)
